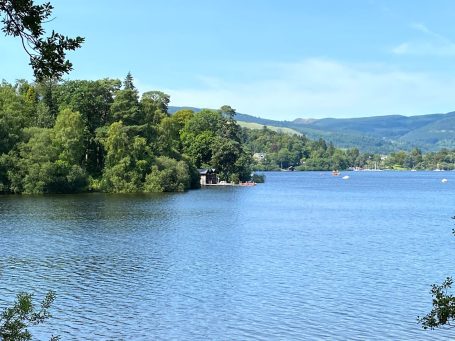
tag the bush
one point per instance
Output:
(234, 178)
(168, 175)
(258, 178)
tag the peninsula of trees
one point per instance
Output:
(99, 135)
(76, 136)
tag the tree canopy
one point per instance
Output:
(74, 136)
(25, 19)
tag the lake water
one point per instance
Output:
(305, 256)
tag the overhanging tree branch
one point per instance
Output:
(24, 19)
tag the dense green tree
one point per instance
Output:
(396, 160)
(213, 139)
(69, 136)
(168, 175)
(93, 100)
(168, 142)
(176, 124)
(205, 120)
(159, 99)
(230, 128)
(50, 159)
(181, 117)
(128, 159)
(125, 106)
(128, 82)
(13, 117)
(49, 99)
(198, 136)
(226, 152)
(200, 147)
(154, 105)
(284, 158)
(228, 112)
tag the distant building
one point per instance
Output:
(208, 177)
(259, 156)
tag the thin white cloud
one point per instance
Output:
(422, 28)
(323, 88)
(430, 44)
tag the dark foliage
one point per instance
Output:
(24, 19)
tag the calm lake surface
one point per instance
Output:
(305, 256)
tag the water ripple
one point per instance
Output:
(303, 257)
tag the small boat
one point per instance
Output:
(438, 169)
(444, 181)
(335, 173)
(346, 177)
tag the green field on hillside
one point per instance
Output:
(251, 125)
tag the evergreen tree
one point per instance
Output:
(128, 82)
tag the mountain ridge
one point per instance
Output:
(376, 134)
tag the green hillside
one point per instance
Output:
(251, 125)
(377, 134)
(440, 133)
(383, 126)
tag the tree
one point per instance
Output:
(231, 128)
(443, 312)
(154, 105)
(198, 136)
(24, 19)
(126, 107)
(227, 112)
(168, 142)
(128, 159)
(168, 175)
(15, 320)
(69, 133)
(92, 99)
(226, 152)
(159, 99)
(49, 160)
(128, 82)
(283, 158)
(13, 117)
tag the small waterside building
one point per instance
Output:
(259, 156)
(208, 177)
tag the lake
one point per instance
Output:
(305, 256)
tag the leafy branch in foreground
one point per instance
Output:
(24, 19)
(443, 312)
(15, 320)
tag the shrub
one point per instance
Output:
(168, 175)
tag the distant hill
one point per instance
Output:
(378, 134)
(252, 125)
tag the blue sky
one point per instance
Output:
(275, 59)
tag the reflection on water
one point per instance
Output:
(304, 256)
